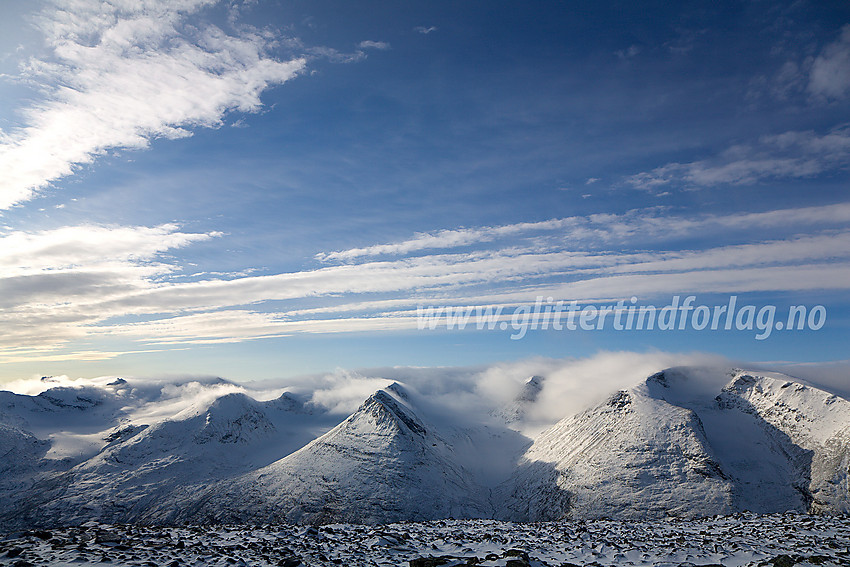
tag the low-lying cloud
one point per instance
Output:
(462, 394)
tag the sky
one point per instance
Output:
(261, 189)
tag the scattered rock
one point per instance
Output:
(428, 561)
(518, 558)
(443, 560)
(106, 537)
(782, 561)
(43, 535)
(449, 543)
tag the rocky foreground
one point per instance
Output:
(779, 540)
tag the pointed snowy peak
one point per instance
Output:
(387, 404)
(383, 463)
(531, 389)
(517, 408)
(399, 391)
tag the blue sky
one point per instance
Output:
(262, 189)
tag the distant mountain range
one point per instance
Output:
(684, 442)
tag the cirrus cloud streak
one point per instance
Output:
(63, 287)
(122, 74)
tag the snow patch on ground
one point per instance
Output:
(740, 540)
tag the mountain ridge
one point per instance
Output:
(686, 441)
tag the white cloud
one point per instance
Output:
(54, 282)
(445, 239)
(201, 328)
(425, 30)
(455, 393)
(96, 283)
(788, 155)
(57, 355)
(368, 44)
(830, 74)
(628, 53)
(342, 391)
(804, 78)
(121, 74)
(600, 229)
(782, 252)
(91, 246)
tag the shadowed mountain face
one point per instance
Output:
(634, 455)
(384, 458)
(685, 442)
(670, 447)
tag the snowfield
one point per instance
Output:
(685, 442)
(740, 540)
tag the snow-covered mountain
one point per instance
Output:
(515, 411)
(382, 464)
(683, 442)
(140, 472)
(670, 446)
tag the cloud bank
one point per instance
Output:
(570, 386)
(830, 75)
(71, 284)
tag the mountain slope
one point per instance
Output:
(669, 446)
(809, 426)
(152, 473)
(381, 464)
(633, 456)
(684, 442)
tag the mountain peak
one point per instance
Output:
(687, 441)
(530, 389)
(382, 405)
(72, 398)
(516, 409)
(399, 391)
(234, 418)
